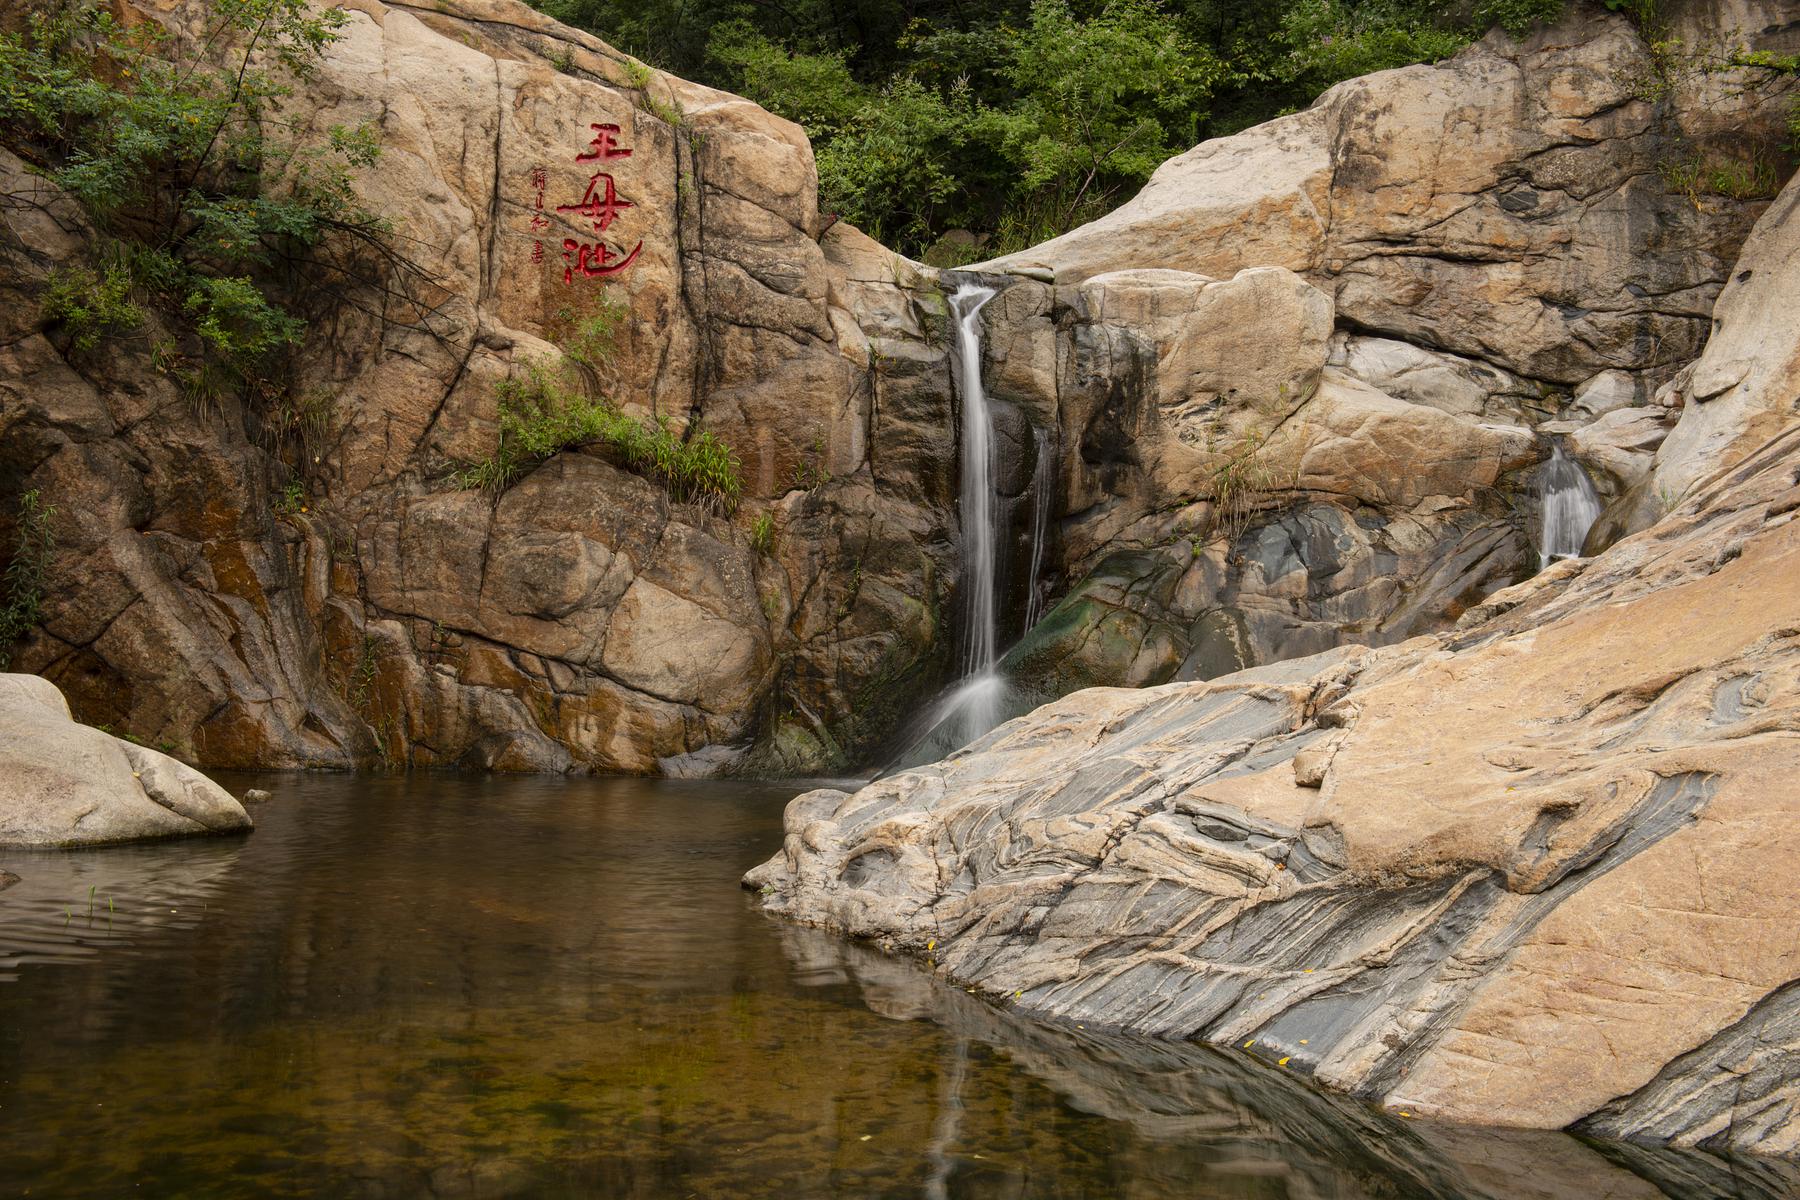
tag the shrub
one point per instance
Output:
(90, 305)
(161, 139)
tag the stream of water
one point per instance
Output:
(1569, 506)
(977, 702)
(434, 985)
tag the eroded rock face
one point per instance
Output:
(580, 620)
(1310, 370)
(66, 784)
(1527, 872)
(1440, 875)
(1504, 206)
(1299, 377)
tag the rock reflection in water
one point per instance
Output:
(1219, 1114)
(461, 987)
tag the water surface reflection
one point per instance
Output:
(454, 986)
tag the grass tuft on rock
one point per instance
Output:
(541, 414)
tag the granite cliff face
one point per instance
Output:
(581, 620)
(1528, 871)
(1289, 399)
(1301, 385)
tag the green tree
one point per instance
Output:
(171, 144)
(1101, 103)
(1019, 118)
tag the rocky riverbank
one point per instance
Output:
(1530, 871)
(67, 784)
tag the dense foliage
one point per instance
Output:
(1019, 119)
(171, 145)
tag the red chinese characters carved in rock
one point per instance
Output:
(605, 145)
(602, 209)
(600, 206)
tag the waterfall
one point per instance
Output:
(974, 706)
(1568, 504)
(977, 702)
(980, 564)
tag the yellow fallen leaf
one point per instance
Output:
(932, 944)
(1249, 1043)
(1303, 1041)
(865, 1137)
(1283, 1062)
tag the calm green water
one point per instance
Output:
(446, 986)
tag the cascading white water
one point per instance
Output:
(1568, 504)
(976, 497)
(981, 697)
(976, 700)
(1043, 492)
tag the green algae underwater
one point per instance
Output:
(466, 986)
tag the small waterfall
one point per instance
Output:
(981, 697)
(1568, 504)
(980, 563)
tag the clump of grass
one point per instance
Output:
(1754, 178)
(541, 414)
(762, 534)
(22, 587)
(1240, 482)
(292, 499)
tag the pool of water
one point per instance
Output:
(462, 986)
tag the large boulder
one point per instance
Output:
(1746, 386)
(67, 784)
(1531, 871)
(584, 619)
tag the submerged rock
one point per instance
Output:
(66, 784)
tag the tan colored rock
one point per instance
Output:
(1459, 386)
(1212, 382)
(66, 784)
(1354, 441)
(1531, 872)
(1544, 850)
(1502, 205)
(1197, 213)
(402, 619)
(1622, 443)
(1746, 387)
